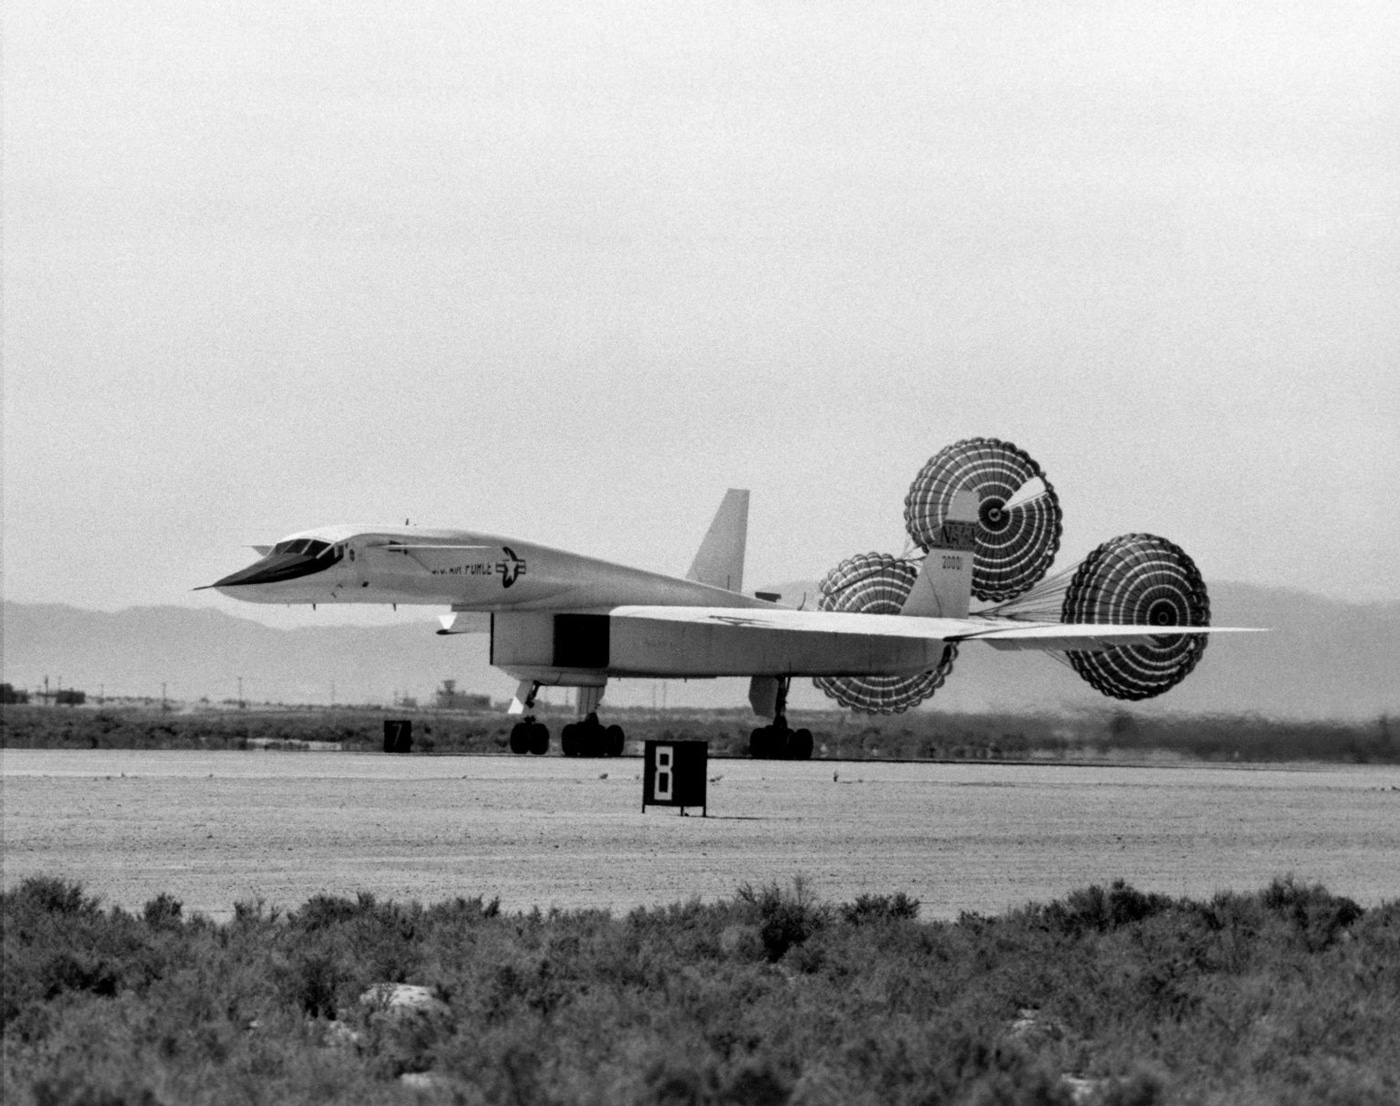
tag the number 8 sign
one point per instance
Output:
(674, 774)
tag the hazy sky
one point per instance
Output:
(568, 271)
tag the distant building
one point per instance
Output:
(448, 697)
(61, 697)
(11, 694)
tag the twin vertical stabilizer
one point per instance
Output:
(944, 586)
(720, 562)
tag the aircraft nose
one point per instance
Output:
(273, 568)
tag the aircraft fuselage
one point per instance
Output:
(460, 569)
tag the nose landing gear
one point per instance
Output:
(527, 735)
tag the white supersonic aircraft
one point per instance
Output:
(883, 639)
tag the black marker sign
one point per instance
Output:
(673, 774)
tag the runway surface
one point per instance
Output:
(217, 828)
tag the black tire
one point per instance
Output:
(800, 745)
(614, 740)
(759, 744)
(569, 739)
(520, 738)
(539, 739)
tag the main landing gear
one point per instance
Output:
(529, 736)
(585, 738)
(590, 738)
(779, 741)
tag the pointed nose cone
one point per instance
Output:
(273, 569)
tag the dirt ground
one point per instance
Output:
(213, 829)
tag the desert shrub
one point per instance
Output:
(342, 944)
(324, 911)
(254, 913)
(1094, 909)
(1317, 915)
(1378, 931)
(785, 917)
(82, 1088)
(58, 944)
(1021, 1085)
(314, 981)
(880, 908)
(163, 911)
(65, 945)
(40, 895)
(771, 995)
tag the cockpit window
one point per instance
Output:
(305, 546)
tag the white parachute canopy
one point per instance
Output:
(1018, 513)
(1133, 580)
(877, 583)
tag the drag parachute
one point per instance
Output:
(1138, 579)
(1134, 580)
(877, 583)
(1019, 519)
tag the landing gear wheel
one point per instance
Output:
(590, 738)
(539, 739)
(520, 738)
(779, 741)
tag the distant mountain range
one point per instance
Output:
(1322, 659)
